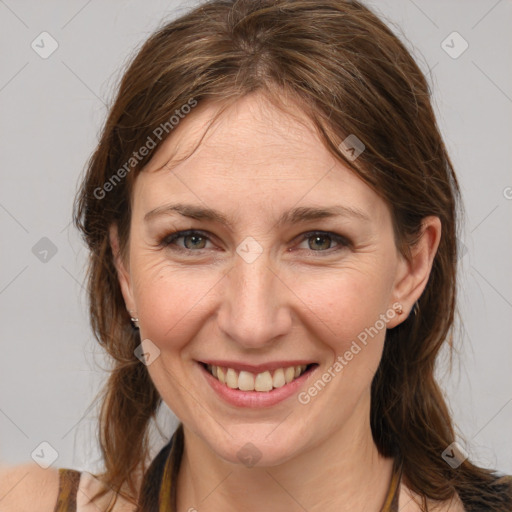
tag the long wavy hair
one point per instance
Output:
(350, 75)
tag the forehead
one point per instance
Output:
(251, 130)
(255, 153)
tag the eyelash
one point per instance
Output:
(172, 237)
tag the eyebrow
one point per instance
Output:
(293, 216)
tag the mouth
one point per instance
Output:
(258, 382)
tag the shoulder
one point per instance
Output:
(90, 486)
(28, 487)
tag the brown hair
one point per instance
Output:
(351, 76)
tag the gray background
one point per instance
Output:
(51, 111)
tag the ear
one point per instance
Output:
(413, 273)
(123, 271)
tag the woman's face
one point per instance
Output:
(260, 292)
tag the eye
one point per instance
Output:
(192, 240)
(321, 241)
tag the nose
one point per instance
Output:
(255, 309)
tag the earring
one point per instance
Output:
(135, 320)
(399, 310)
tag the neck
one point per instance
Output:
(344, 472)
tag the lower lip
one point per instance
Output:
(256, 399)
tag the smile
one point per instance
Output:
(256, 386)
(261, 382)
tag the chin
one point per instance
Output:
(264, 446)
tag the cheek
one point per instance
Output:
(346, 304)
(171, 301)
(349, 315)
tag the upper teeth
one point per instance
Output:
(247, 381)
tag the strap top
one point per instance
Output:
(69, 480)
(158, 489)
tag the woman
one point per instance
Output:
(271, 214)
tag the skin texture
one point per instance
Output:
(28, 487)
(302, 298)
